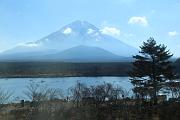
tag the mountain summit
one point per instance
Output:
(77, 33)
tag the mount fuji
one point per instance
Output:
(78, 40)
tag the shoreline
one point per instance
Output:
(58, 76)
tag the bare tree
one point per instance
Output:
(77, 92)
(4, 96)
(53, 94)
(107, 91)
(36, 93)
(100, 93)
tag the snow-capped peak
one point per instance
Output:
(79, 27)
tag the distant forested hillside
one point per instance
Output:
(177, 66)
(60, 69)
(54, 69)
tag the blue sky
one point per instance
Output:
(132, 21)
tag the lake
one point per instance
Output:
(18, 85)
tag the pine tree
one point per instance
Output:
(151, 70)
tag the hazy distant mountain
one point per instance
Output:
(26, 55)
(85, 53)
(70, 36)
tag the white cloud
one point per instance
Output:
(67, 31)
(138, 20)
(111, 31)
(173, 33)
(90, 31)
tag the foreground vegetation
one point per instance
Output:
(101, 102)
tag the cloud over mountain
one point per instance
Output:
(112, 31)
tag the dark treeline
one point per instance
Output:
(177, 66)
(54, 69)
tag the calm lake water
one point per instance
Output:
(18, 85)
